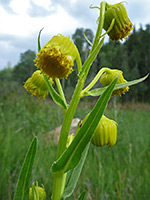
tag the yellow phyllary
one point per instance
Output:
(56, 58)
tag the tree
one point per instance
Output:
(25, 67)
(138, 48)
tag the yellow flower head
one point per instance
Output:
(109, 75)
(122, 25)
(57, 57)
(36, 85)
(37, 192)
(105, 133)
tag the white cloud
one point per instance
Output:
(44, 3)
(19, 31)
(20, 7)
(22, 24)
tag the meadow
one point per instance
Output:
(118, 173)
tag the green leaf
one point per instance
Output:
(72, 155)
(22, 188)
(82, 196)
(99, 91)
(75, 174)
(55, 96)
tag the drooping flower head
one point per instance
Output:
(56, 58)
(109, 75)
(37, 192)
(122, 25)
(36, 85)
(105, 133)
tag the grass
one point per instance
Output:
(121, 172)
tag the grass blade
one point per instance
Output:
(72, 155)
(22, 188)
(82, 196)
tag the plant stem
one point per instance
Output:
(68, 118)
(58, 185)
(59, 178)
(101, 71)
(60, 90)
(75, 100)
(100, 25)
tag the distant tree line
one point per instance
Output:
(131, 56)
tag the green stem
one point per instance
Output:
(58, 185)
(60, 90)
(59, 178)
(101, 71)
(100, 25)
(75, 100)
(57, 192)
(68, 118)
(86, 67)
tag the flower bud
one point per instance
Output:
(109, 75)
(36, 85)
(122, 25)
(37, 193)
(57, 57)
(105, 133)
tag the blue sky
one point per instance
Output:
(21, 20)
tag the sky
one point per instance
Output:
(21, 21)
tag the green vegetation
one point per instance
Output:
(121, 172)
